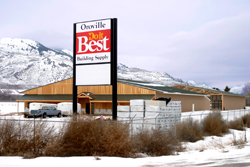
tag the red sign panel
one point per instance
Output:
(93, 42)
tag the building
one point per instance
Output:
(220, 100)
(100, 97)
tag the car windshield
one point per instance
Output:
(45, 108)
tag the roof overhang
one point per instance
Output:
(205, 90)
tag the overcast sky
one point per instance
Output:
(202, 40)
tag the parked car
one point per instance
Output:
(36, 106)
(44, 112)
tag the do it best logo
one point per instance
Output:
(93, 41)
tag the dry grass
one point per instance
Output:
(18, 138)
(156, 142)
(240, 142)
(236, 124)
(84, 138)
(213, 124)
(246, 120)
(189, 130)
(240, 123)
(88, 138)
(108, 138)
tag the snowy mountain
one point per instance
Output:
(163, 78)
(26, 62)
(237, 89)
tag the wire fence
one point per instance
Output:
(157, 120)
(165, 120)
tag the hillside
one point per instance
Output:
(29, 63)
(26, 64)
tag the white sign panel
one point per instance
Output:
(93, 26)
(97, 74)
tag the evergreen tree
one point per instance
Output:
(216, 88)
(227, 89)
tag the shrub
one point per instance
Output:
(156, 142)
(236, 124)
(246, 120)
(240, 123)
(213, 124)
(18, 138)
(88, 138)
(189, 130)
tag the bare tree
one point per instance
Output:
(246, 92)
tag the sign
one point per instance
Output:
(93, 42)
(95, 57)
(93, 46)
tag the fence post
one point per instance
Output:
(234, 114)
(131, 124)
(132, 127)
(155, 120)
(143, 123)
(201, 119)
(175, 125)
(201, 115)
(189, 118)
(190, 115)
(227, 115)
(34, 136)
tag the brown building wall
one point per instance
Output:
(65, 87)
(108, 105)
(200, 102)
(121, 89)
(233, 102)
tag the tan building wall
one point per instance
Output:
(233, 102)
(200, 102)
(65, 87)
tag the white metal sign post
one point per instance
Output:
(95, 57)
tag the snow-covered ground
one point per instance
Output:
(219, 152)
(212, 151)
(227, 115)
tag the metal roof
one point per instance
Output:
(211, 90)
(159, 87)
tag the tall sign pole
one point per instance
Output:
(95, 57)
(114, 67)
(74, 74)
